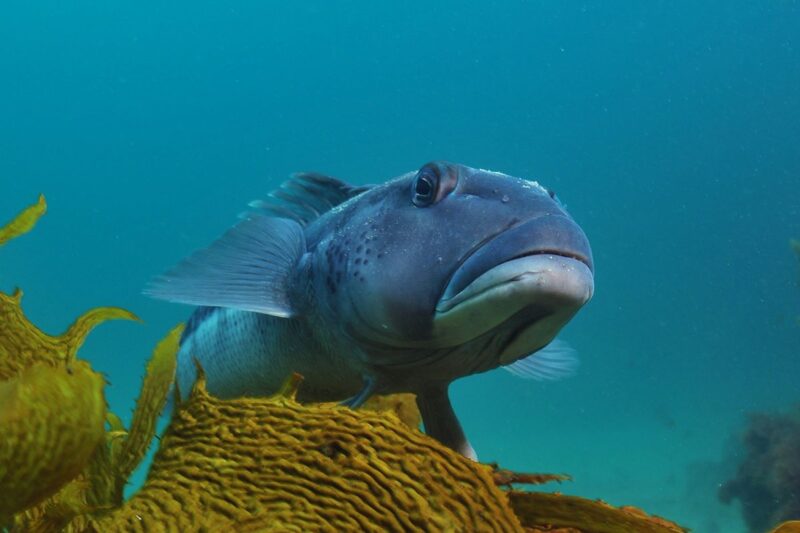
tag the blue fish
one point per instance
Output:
(405, 286)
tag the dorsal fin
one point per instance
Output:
(305, 196)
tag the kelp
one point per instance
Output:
(23, 222)
(542, 511)
(125, 449)
(275, 464)
(245, 464)
(51, 405)
(51, 420)
(100, 485)
(53, 464)
(22, 344)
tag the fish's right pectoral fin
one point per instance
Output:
(250, 268)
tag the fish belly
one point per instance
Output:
(251, 354)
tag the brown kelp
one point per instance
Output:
(24, 221)
(52, 414)
(274, 464)
(268, 464)
(51, 406)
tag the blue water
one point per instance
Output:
(670, 129)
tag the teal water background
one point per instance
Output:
(670, 129)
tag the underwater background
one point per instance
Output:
(671, 130)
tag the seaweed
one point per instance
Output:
(51, 420)
(24, 221)
(53, 465)
(22, 344)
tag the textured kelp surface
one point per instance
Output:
(99, 486)
(569, 513)
(22, 344)
(267, 464)
(276, 464)
(51, 420)
(51, 406)
(56, 458)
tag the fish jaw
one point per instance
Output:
(556, 285)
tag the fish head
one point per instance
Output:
(439, 257)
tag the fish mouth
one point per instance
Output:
(560, 276)
(545, 261)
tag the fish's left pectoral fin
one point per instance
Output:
(557, 360)
(441, 422)
(363, 395)
(250, 268)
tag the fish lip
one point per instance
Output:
(585, 275)
(575, 247)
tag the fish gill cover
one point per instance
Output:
(249, 464)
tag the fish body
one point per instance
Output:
(400, 287)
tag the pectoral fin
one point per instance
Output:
(441, 422)
(249, 268)
(557, 360)
(363, 395)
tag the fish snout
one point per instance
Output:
(543, 265)
(553, 235)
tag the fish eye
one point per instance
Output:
(425, 186)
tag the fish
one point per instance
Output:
(403, 286)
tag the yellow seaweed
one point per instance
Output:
(22, 344)
(553, 512)
(23, 222)
(124, 450)
(99, 487)
(404, 405)
(51, 420)
(261, 464)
